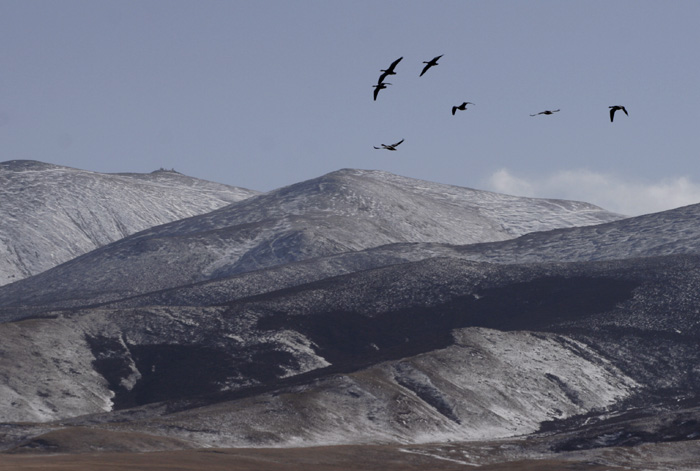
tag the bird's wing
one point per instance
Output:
(435, 60)
(393, 64)
(623, 109)
(424, 69)
(377, 147)
(376, 92)
(382, 77)
(612, 113)
(394, 145)
(454, 109)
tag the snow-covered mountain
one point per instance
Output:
(665, 233)
(432, 350)
(344, 211)
(51, 214)
(364, 308)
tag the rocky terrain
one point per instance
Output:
(470, 329)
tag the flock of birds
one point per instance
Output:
(381, 85)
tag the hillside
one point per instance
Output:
(367, 310)
(51, 214)
(345, 211)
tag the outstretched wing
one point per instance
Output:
(424, 69)
(393, 64)
(394, 145)
(612, 113)
(454, 109)
(376, 91)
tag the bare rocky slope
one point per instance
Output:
(51, 214)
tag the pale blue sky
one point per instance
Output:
(262, 94)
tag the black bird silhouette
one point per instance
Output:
(462, 107)
(613, 109)
(389, 146)
(379, 86)
(545, 112)
(430, 63)
(389, 71)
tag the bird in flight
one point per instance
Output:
(379, 86)
(613, 109)
(430, 63)
(462, 107)
(389, 71)
(389, 146)
(545, 112)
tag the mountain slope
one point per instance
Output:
(400, 353)
(287, 320)
(344, 211)
(51, 214)
(664, 233)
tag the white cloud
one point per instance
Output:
(608, 191)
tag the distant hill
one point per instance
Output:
(50, 214)
(344, 211)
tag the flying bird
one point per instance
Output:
(430, 63)
(462, 107)
(379, 86)
(389, 146)
(545, 112)
(613, 109)
(390, 70)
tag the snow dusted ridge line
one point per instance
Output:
(341, 212)
(51, 214)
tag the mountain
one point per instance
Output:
(665, 233)
(344, 211)
(367, 310)
(51, 214)
(437, 349)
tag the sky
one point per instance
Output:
(263, 94)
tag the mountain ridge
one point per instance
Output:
(344, 211)
(51, 213)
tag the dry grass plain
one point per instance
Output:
(92, 449)
(335, 458)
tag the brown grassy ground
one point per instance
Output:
(93, 449)
(335, 458)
